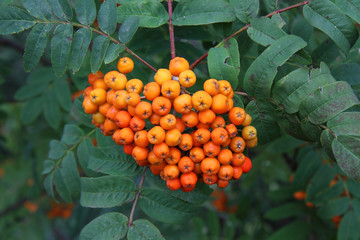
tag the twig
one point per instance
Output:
(171, 30)
(13, 207)
(192, 66)
(136, 199)
(241, 93)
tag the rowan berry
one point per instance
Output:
(170, 89)
(162, 75)
(137, 123)
(187, 78)
(220, 104)
(210, 166)
(140, 153)
(226, 172)
(89, 107)
(168, 122)
(173, 137)
(185, 164)
(248, 133)
(173, 156)
(92, 77)
(246, 166)
(171, 172)
(115, 80)
(225, 156)
(186, 142)
(207, 116)
(122, 119)
(143, 110)
(201, 100)
(161, 106)
(140, 138)
(125, 65)
(237, 144)
(178, 65)
(161, 150)
(183, 103)
(211, 86)
(210, 179)
(156, 169)
(188, 180)
(197, 154)
(190, 119)
(211, 149)
(173, 184)
(156, 135)
(153, 159)
(237, 115)
(151, 91)
(134, 85)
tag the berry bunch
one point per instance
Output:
(191, 135)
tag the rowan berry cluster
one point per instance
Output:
(182, 136)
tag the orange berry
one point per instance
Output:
(104, 108)
(168, 122)
(231, 95)
(173, 156)
(232, 130)
(237, 172)
(98, 117)
(188, 180)
(128, 148)
(211, 86)
(219, 136)
(210, 179)
(201, 100)
(110, 96)
(161, 150)
(210, 166)
(161, 106)
(156, 135)
(220, 104)
(197, 168)
(187, 78)
(225, 156)
(247, 120)
(187, 189)
(140, 138)
(190, 119)
(230, 104)
(173, 137)
(111, 113)
(195, 143)
(151, 91)
(207, 116)
(123, 136)
(134, 85)
(92, 77)
(89, 107)
(237, 115)
(142, 162)
(119, 100)
(179, 124)
(218, 122)
(225, 87)
(99, 83)
(122, 119)
(202, 136)
(115, 80)
(248, 133)
(170, 89)
(222, 183)
(155, 119)
(227, 143)
(178, 65)
(162, 75)
(185, 164)
(237, 144)
(197, 154)
(87, 91)
(251, 143)
(211, 149)
(171, 172)
(137, 124)
(153, 159)
(125, 65)
(246, 165)
(156, 169)
(132, 99)
(300, 195)
(173, 184)
(186, 142)
(143, 110)
(131, 111)
(140, 153)
(226, 172)
(238, 159)
(183, 103)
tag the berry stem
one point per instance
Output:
(171, 30)
(241, 93)
(131, 217)
(192, 66)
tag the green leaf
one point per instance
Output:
(326, 140)
(60, 47)
(232, 47)
(48, 167)
(128, 29)
(349, 227)
(108, 191)
(63, 94)
(353, 187)
(38, 8)
(30, 90)
(261, 73)
(83, 155)
(112, 160)
(80, 45)
(334, 208)
(107, 141)
(327, 102)
(270, 5)
(51, 109)
(109, 226)
(329, 193)
(4, 3)
(113, 52)
(106, 16)
(292, 89)
(151, 14)
(31, 110)
(163, 207)
(349, 73)
(201, 12)
(61, 9)
(85, 11)
(198, 196)
(285, 211)
(14, 20)
(245, 10)
(347, 153)
(48, 184)
(70, 174)
(72, 134)
(263, 120)
(320, 181)
(100, 46)
(264, 31)
(142, 229)
(347, 123)
(327, 17)
(35, 45)
(57, 149)
(78, 113)
(61, 187)
(297, 230)
(220, 66)
(307, 166)
(350, 8)
(213, 223)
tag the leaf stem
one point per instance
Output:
(171, 30)
(131, 217)
(192, 66)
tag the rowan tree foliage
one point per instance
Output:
(293, 66)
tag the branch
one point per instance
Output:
(171, 30)
(136, 199)
(241, 93)
(192, 66)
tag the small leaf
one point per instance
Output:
(83, 155)
(51, 109)
(308, 164)
(128, 29)
(30, 90)
(85, 11)
(31, 110)
(349, 73)
(329, 193)
(61, 187)
(109, 226)
(77, 112)
(72, 134)
(285, 211)
(320, 181)
(350, 8)
(57, 149)
(326, 140)
(261, 73)
(327, 102)
(354, 187)
(107, 191)
(264, 31)
(349, 227)
(113, 52)
(60, 47)
(296, 230)
(70, 174)
(201, 12)
(142, 229)
(245, 10)
(35, 45)
(151, 14)
(14, 20)
(80, 45)
(48, 167)
(38, 8)
(61, 9)
(63, 94)
(347, 153)
(334, 208)
(106, 16)
(100, 46)
(346, 123)
(164, 207)
(49, 184)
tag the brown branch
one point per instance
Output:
(192, 66)
(136, 199)
(13, 207)
(171, 30)
(241, 93)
